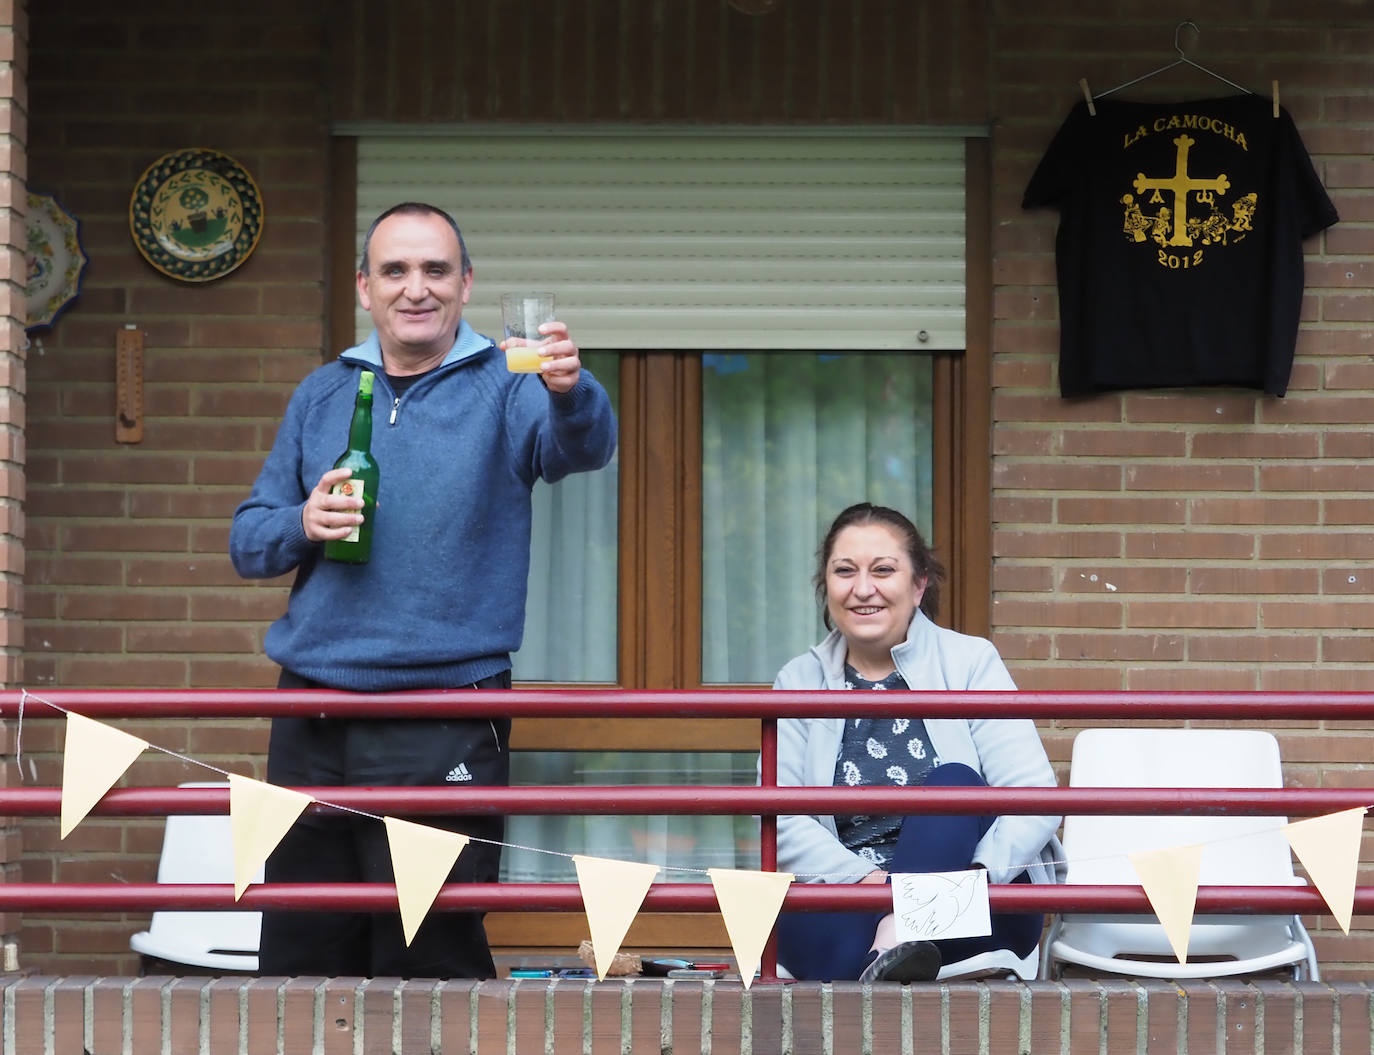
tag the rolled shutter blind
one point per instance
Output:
(714, 239)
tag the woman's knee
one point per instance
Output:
(954, 775)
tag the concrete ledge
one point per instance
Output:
(307, 1016)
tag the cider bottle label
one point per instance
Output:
(351, 487)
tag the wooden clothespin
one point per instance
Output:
(1276, 98)
(1088, 96)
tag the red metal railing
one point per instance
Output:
(767, 801)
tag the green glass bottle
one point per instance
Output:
(356, 547)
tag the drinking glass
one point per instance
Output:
(522, 314)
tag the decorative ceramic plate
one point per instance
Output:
(195, 214)
(55, 260)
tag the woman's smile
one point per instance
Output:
(872, 591)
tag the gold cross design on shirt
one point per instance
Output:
(1181, 184)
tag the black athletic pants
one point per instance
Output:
(334, 846)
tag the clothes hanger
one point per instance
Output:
(1182, 60)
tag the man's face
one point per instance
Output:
(416, 288)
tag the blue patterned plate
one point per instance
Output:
(54, 260)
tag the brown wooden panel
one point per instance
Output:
(689, 507)
(561, 932)
(635, 734)
(975, 398)
(680, 60)
(630, 658)
(343, 206)
(944, 462)
(663, 561)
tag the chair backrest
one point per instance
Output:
(198, 848)
(1238, 850)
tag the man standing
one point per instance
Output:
(440, 603)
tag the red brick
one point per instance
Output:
(687, 1024)
(1013, 579)
(1107, 579)
(1251, 581)
(1189, 477)
(1120, 647)
(1124, 443)
(1315, 679)
(1089, 544)
(1190, 545)
(1252, 648)
(1122, 511)
(1214, 614)
(1057, 475)
(492, 1000)
(1189, 679)
(1267, 511)
(1074, 613)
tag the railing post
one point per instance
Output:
(768, 834)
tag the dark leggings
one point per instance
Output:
(833, 946)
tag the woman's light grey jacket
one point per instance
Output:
(1006, 751)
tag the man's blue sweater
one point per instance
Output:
(441, 602)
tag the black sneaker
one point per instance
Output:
(911, 961)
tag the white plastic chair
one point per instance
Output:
(199, 849)
(1238, 851)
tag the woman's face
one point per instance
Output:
(871, 587)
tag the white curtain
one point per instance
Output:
(683, 845)
(570, 616)
(789, 441)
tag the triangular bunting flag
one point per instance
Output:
(1169, 877)
(259, 815)
(94, 757)
(750, 903)
(421, 858)
(1329, 848)
(612, 892)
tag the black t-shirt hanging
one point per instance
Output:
(1179, 251)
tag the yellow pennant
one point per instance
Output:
(94, 756)
(1329, 848)
(750, 903)
(1169, 877)
(259, 815)
(612, 892)
(421, 858)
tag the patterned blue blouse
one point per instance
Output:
(879, 752)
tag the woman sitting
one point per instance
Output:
(879, 583)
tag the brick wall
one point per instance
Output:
(1230, 525)
(197, 1016)
(14, 160)
(1201, 540)
(128, 582)
(1177, 539)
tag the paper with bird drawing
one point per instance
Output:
(937, 905)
